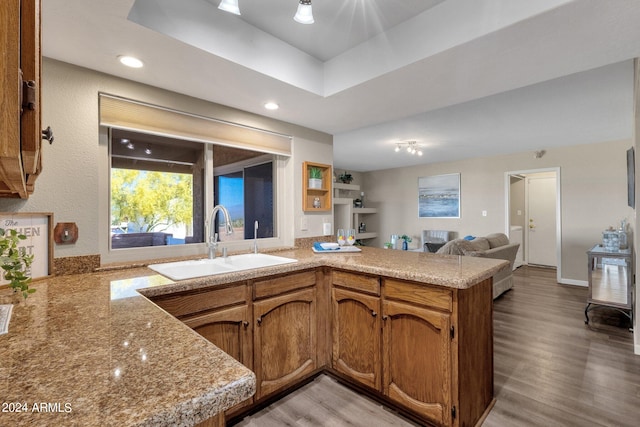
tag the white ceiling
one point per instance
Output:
(464, 78)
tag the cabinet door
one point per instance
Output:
(284, 340)
(30, 60)
(417, 359)
(356, 337)
(20, 134)
(230, 330)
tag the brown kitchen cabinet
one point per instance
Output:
(230, 330)
(417, 371)
(356, 337)
(424, 349)
(423, 370)
(222, 316)
(20, 115)
(284, 340)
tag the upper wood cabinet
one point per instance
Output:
(316, 195)
(20, 115)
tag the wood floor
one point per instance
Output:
(550, 368)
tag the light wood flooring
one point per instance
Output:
(550, 368)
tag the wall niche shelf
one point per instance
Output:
(323, 194)
(345, 215)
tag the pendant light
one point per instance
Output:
(304, 15)
(230, 6)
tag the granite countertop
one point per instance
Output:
(88, 349)
(450, 271)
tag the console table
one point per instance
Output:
(610, 281)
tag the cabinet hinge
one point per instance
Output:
(28, 95)
(453, 413)
(453, 332)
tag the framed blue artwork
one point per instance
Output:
(439, 196)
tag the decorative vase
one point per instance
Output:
(315, 183)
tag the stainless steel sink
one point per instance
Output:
(181, 270)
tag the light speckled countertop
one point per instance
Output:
(94, 352)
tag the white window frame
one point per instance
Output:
(283, 174)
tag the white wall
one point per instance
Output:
(593, 187)
(69, 185)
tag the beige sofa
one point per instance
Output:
(495, 246)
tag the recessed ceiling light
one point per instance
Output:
(130, 61)
(271, 106)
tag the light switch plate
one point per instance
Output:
(304, 223)
(65, 233)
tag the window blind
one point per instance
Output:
(122, 113)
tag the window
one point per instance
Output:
(154, 190)
(157, 188)
(183, 151)
(246, 190)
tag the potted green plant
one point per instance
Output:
(345, 177)
(406, 240)
(315, 177)
(15, 262)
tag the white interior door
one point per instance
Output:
(541, 221)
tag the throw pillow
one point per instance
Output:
(497, 239)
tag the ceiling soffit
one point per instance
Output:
(440, 27)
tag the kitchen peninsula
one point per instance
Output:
(88, 349)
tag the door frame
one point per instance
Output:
(507, 206)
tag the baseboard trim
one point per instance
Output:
(573, 282)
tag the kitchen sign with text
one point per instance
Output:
(37, 228)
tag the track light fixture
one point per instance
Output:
(412, 147)
(230, 6)
(304, 14)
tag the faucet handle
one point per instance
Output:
(215, 237)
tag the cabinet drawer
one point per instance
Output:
(282, 284)
(418, 294)
(359, 282)
(195, 302)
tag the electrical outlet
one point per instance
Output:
(304, 223)
(484, 213)
(519, 212)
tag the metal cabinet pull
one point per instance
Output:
(373, 313)
(245, 323)
(48, 134)
(259, 320)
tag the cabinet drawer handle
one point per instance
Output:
(47, 134)
(385, 317)
(245, 323)
(373, 313)
(259, 320)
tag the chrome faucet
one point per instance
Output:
(213, 236)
